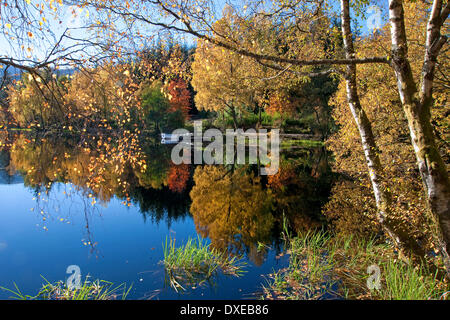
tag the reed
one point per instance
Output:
(195, 262)
(89, 290)
(322, 265)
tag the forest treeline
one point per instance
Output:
(161, 90)
(149, 93)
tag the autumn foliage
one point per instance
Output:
(178, 177)
(180, 97)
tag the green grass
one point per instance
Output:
(89, 290)
(310, 272)
(324, 266)
(406, 282)
(286, 144)
(195, 262)
(19, 129)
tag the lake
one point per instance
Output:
(108, 203)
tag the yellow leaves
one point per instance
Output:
(8, 25)
(222, 205)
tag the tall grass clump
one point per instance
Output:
(89, 290)
(195, 262)
(310, 271)
(405, 282)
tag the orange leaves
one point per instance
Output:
(280, 102)
(286, 175)
(178, 177)
(180, 97)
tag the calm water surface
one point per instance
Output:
(73, 202)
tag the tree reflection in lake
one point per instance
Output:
(231, 205)
(243, 213)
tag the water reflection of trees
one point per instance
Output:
(239, 211)
(101, 167)
(231, 205)
(161, 204)
(5, 176)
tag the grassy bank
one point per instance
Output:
(322, 266)
(292, 143)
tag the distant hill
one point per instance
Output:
(16, 73)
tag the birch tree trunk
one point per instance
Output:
(416, 106)
(382, 197)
